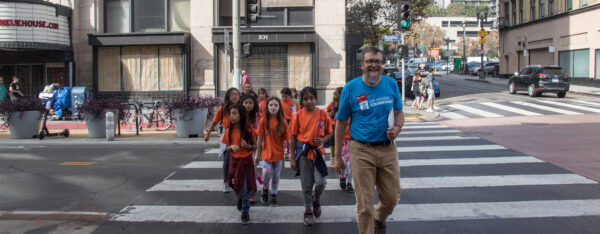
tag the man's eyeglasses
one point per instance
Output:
(373, 61)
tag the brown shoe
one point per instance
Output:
(379, 227)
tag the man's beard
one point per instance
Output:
(373, 79)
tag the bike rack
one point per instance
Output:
(137, 110)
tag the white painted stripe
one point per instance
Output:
(585, 108)
(408, 162)
(449, 148)
(589, 103)
(58, 212)
(510, 109)
(407, 183)
(429, 132)
(423, 127)
(435, 138)
(474, 111)
(212, 151)
(419, 122)
(453, 115)
(547, 108)
(347, 213)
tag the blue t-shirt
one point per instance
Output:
(369, 108)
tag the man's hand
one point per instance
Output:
(207, 135)
(246, 145)
(318, 141)
(235, 148)
(338, 164)
(393, 132)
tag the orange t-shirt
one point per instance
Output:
(236, 139)
(220, 116)
(272, 150)
(331, 110)
(263, 108)
(306, 126)
(288, 108)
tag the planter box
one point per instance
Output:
(24, 125)
(97, 126)
(191, 124)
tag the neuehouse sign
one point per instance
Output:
(26, 25)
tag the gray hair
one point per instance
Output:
(371, 49)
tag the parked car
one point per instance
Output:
(467, 67)
(389, 69)
(537, 79)
(408, 76)
(492, 68)
(475, 69)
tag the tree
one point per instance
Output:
(425, 34)
(456, 8)
(374, 18)
(492, 44)
(472, 47)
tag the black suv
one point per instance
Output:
(537, 79)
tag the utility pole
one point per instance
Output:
(403, 77)
(464, 60)
(448, 41)
(482, 18)
(237, 53)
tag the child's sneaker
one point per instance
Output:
(273, 201)
(349, 188)
(343, 183)
(264, 196)
(317, 209)
(308, 218)
(245, 218)
(252, 201)
(239, 205)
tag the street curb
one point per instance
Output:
(478, 80)
(210, 144)
(585, 94)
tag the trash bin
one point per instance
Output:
(78, 97)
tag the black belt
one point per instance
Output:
(378, 143)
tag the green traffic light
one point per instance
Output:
(404, 23)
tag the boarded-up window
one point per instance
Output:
(130, 58)
(149, 68)
(171, 68)
(299, 65)
(109, 73)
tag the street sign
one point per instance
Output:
(481, 40)
(525, 53)
(434, 52)
(482, 33)
(422, 47)
(392, 38)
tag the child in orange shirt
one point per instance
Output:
(251, 106)
(309, 130)
(232, 97)
(262, 101)
(332, 109)
(272, 135)
(240, 145)
(290, 107)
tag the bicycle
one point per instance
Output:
(155, 117)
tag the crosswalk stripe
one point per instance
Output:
(423, 127)
(418, 123)
(450, 148)
(590, 109)
(407, 183)
(429, 132)
(347, 213)
(421, 149)
(589, 103)
(510, 109)
(453, 115)
(474, 111)
(435, 138)
(409, 162)
(547, 108)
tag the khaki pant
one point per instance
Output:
(374, 166)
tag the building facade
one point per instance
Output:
(161, 48)
(551, 32)
(453, 26)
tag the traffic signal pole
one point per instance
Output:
(403, 76)
(237, 53)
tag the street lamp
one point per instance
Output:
(482, 19)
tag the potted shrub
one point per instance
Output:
(93, 111)
(190, 113)
(23, 117)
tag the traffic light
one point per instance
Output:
(252, 11)
(403, 16)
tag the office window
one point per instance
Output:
(179, 15)
(532, 12)
(597, 64)
(444, 24)
(569, 5)
(118, 16)
(514, 12)
(520, 11)
(576, 63)
(506, 13)
(455, 24)
(583, 3)
(542, 9)
(300, 16)
(149, 16)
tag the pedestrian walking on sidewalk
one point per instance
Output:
(430, 91)
(3, 91)
(369, 101)
(415, 88)
(272, 135)
(309, 130)
(15, 90)
(232, 97)
(241, 143)
(245, 78)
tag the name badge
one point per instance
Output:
(363, 102)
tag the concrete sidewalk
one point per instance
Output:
(576, 89)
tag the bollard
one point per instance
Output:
(110, 126)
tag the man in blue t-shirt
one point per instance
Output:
(374, 103)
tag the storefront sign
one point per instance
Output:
(33, 26)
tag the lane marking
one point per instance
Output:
(347, 213)
(406, 162)
(216, 185)
(435, 138)
(510, 109)
(453, 115)
(589, 103)
(584, 108)
(546, 108)
(77, 163)
(424, 127)
(429, 132)
(475, 111)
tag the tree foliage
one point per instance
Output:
(425, 34)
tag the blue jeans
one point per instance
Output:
(245, 197)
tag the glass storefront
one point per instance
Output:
(576, 63)
(33, 77)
